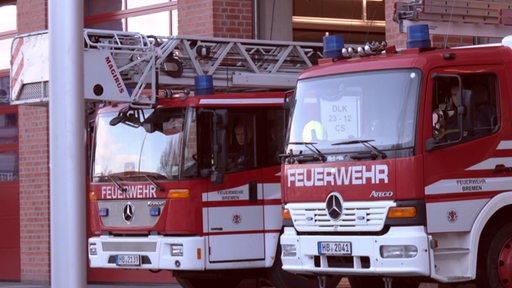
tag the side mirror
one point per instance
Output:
(289, 99)
(431, 144)
(148, 127)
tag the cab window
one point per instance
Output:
(465, 107)
(255, 138)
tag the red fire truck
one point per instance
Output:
(172, 189)
(184, 170)
(398, 166)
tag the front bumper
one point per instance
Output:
(366, 256)
(152, 252)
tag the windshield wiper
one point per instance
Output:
(311, 147)
(366, 143)
(129, 116)
(119, 187)
(153, 183)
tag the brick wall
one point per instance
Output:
(34, 194)
(210, 18)
(34, 167)
(446, 41)
(394, 37)
(32, 15)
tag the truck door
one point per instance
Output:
(235, 207)
(462, 124)
(235, 217)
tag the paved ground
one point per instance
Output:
(126, 285)
(248, 284)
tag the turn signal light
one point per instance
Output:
(285, 214)
(402, 212)
(92, 196)
(178, 194)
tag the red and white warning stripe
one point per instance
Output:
(466, 184)
(17, 66)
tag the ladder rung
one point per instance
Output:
(115, 39)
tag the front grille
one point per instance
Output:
(140, 216)
(129, 246)
(368, 216)
(349, 262)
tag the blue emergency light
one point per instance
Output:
(103, 212)
(154, 211)
(204, 85)
(333, 46)
(418, 36)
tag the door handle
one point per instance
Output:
(253, 191)
(501, 168)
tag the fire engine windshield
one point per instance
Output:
(151, 149)
(378, 107)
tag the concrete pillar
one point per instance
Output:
(274, 19)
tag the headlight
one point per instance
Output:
(177, 250)
(398, 251)
(289, 250)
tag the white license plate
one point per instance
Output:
(335, 248)
(128, 260)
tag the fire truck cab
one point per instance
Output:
(398, 167)
(173, 188)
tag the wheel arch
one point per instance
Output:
(493, 214)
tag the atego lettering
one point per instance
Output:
(113, 71)
(376, 194)
(336, 176)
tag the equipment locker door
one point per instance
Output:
(235, 224)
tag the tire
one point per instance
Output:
(283, 279)
(207, 283)
(495, 258)
(378, 282)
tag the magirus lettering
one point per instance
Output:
(112, 70)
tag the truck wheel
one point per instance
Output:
(495, 258)
(207, 283)
(378, 282)
(283, 279)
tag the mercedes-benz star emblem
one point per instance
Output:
(333, 204)
(128, 212)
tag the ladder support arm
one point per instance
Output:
(132, 67)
